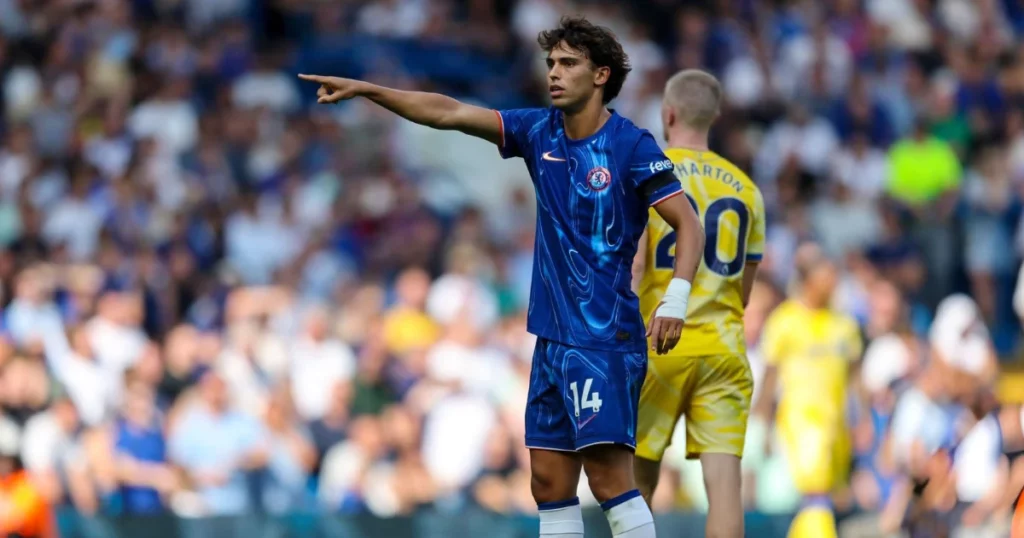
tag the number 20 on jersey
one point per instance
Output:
(664, 256)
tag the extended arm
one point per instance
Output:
(430, 109)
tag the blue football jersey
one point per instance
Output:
(592, 206)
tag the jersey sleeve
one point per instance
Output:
(648, 163)
(515, 125)
(755, 237)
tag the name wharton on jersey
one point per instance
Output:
(688, 168)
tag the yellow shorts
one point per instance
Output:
(713, 392)
(818, 453)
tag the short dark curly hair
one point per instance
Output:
(597, 43)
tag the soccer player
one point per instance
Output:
(707, 376)
(595, 174)
(809, 349)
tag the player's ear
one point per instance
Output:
(601, 76)
(668, 116)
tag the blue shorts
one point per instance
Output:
(581, 397)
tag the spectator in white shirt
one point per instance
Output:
(32, 319)
(260, 239)
(74, 222)
(115, 333)
(266, 86)
(455, 434)
(48, 445)
(530, 17)
(247, 372)
(319, 361)
(346, 465)
(799, 55)
(169, 117)
(394, 18)
(457, 295)
(463, 360)
(810, 140)
(845, 223)
(862, 168)
(86, 381)
(909, 26)
(750, 79)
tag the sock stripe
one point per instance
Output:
(615, 501)
(557, 505)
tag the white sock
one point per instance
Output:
(629, 516)
(562, 519)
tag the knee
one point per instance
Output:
(603, 484)
(548, 487)
(609, 478)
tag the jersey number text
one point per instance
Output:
(664, 255)
(591, 400)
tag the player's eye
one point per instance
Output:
(551, 63)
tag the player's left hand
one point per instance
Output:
(664, 332)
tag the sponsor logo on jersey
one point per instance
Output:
(661, 166)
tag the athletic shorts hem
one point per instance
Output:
(624, 441)
(645, 451)
(695, 454)
(542, 444)
(539, 444)
(644, 455)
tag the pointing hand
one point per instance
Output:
(335, 89)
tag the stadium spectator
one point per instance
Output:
(217, 447)
(138, 446)
(291, 456)
(344, 485)
(332, 428)
(318, 363)
(27, 512)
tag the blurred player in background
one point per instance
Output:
(809, 349)
(596, 174)
(706, 377)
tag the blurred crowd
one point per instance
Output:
(218, 298)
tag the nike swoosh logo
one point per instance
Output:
(587, 421)
(547, 157)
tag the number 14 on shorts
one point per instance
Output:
(591, 400)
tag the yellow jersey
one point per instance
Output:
(731, 208)
(813, 350)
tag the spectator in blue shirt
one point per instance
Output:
(217, 447)
(141, 452)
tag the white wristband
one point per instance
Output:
(673, 304)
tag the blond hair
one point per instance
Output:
(695, 96)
